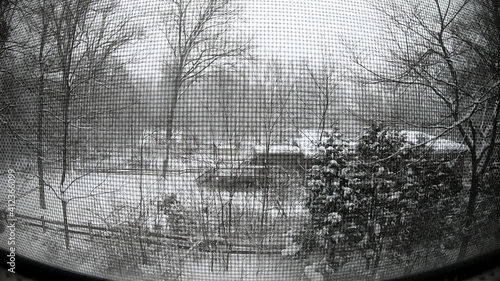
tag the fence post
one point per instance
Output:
(90, 231)
(43, 224)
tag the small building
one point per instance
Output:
(239, 166)
(285, 156)
(438, 145)
(309, 140)
(158, 138)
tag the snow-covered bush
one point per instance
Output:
(332, 203)
(385, 196)
(177, 217)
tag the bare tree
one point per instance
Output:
(228, 129)
(8, 11)
(444, 64)
(40, 15)
(41, 87)
(31, 51)
(85, 36)
(319, 105)
(275, 89)
(198, 35)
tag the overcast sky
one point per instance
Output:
(285, 29)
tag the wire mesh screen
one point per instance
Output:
(249, 140)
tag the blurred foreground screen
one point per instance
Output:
(249, 140)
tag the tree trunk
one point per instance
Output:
(265, 192)
(140, 183)
(41, 183)
(170, 129)
(39, 134)
(177, 85)
(66, 89)
(65, 223)
(331, 252)
(228, 238)
(141, 211)
(66, 122)
(165, 161)
(144, 257)
(471, 206)
(377, 258)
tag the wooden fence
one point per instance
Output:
(209, 245)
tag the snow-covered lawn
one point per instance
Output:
(114, 191)
(96, 197)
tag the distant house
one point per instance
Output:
(228, 152)
(309, 140)
(158, 138)
(237, 165)
(438, 145)
(286, 156)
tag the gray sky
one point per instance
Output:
(284, 29)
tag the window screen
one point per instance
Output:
(249, 140)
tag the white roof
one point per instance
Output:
(313, 134)
(439, 144)
(309, 147)
(277, 149)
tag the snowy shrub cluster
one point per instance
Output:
(387, 198)
(177, 217)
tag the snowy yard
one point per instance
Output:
(101, 198)
(115, 200)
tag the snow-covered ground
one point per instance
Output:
(112, 192)
(118, 190)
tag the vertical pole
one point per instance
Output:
(90, 230)
(43, 223)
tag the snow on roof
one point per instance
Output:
(277, 149)
(438, 145)
(313, 134)
(227, 146)
(309, 147)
